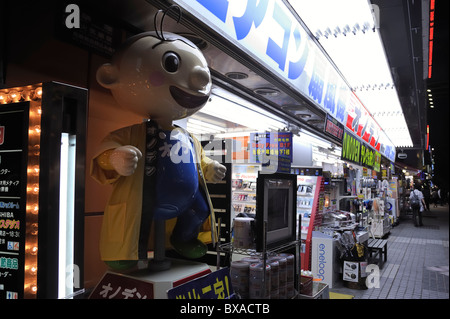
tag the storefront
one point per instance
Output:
(269, 112)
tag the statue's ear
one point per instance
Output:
(108, 75)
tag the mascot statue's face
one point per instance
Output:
(163, 80)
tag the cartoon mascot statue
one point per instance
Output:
(158, 171)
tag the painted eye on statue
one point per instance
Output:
(171, 62)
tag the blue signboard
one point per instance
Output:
(272, 149)
(216, 285)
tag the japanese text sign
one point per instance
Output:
(272, 149)
(13, 174)
(216, 285)
(116, 286)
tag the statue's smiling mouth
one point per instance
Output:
(187, 100)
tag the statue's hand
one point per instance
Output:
(215, 172)
(124, 159)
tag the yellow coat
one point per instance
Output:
(121, 222)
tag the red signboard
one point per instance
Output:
(116, 286)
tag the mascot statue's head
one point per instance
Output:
(158, 75)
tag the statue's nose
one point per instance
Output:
(200, 78)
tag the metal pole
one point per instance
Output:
(218, 244)
(264, 257)
(159, 261)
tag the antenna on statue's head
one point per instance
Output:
(160, 33)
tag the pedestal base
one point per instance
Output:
(148, 284)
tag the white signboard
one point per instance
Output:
(272, 34)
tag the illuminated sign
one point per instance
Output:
(431, 39)
(351, 149)
(272, 149)
(269, 32)
(19, 190)
(334, 128)
(359, 153)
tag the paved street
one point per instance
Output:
(417, 265)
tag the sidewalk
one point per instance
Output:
(417, 264)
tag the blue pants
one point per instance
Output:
(178, 193)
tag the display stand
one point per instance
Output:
(244, 188)
(228, 248)
(380, 224)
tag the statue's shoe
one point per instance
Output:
(121, 265)
(191, 249)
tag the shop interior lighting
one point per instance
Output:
(348, 32)
(315, 141)
(226, 106)
(197, 126)
(66, 214)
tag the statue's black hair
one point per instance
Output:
(163, 37)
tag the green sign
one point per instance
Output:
(367, 156)
(357, 152)
(376, 165)
(351, 149)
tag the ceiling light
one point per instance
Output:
(206, 125)
(267, 91)
(237, 75)
(316, 141)
(232, 108)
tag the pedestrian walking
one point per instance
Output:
(435, 197)
(417, 205)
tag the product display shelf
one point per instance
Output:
(229, 249)
(315, 220)
(310, 203)
(380, 223)
(305, 200)
(243, 188)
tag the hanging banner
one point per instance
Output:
(271, 149)
(269, 32)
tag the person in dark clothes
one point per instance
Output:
(426, 196)
(417, 211)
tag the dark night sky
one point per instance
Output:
(438, 118)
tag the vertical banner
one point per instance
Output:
(13, 181)
(273, 150)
